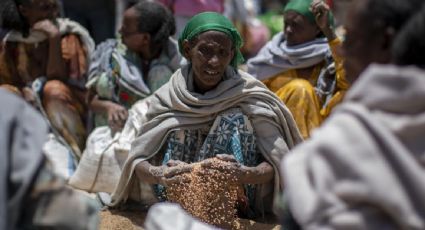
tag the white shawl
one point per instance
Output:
(277, 57)
(66, 26)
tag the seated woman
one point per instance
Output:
(209, 110)
(41, 45)
(290, 64)
(131, 67)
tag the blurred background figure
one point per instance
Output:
(97, 16)
(301, 63)
(134, 65)
(52, 52)
(183, 10)
(243, 13)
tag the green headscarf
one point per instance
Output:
(213, 21)
(303, 7)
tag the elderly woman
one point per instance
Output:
(39, 44)
(133, 66)
(209, 109)
(291, 63)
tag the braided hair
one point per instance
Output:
(156, 20)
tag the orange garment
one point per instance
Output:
(298, 93)
(21, 63)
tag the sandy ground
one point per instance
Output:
(119, 220)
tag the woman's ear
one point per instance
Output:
(186, 49)
(146, 38)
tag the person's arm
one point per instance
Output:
(117, 114)
(342, 84)
(165, 175)
(55, 64)
(261, 174)
(321, 11)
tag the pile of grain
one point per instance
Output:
(210, 196)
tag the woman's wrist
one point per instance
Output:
(248, 174)
(329, 33)
(257, 175)
(156, 173)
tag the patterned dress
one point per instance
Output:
(231, 133)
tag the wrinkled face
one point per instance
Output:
(364, 43)
(38, 10)
(210, 54)
(131, 37)
(298, 29)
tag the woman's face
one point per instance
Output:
(38, 10)
(298, 29)
(131, 37)
(210, 54)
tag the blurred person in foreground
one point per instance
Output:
(301, 64)
(365, 167)
(31, 196)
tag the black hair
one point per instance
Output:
(11, 18)
(156, 20)
(405, 18)
(409, 46)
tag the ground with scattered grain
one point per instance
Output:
(119, 220)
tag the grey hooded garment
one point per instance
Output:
(365, 167)
(22, 134)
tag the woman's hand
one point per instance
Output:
(229, 169)
(239, 174)
(321, 12)
(172, 173)
(47, 27)
(117, 116)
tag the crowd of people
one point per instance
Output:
(314, 129)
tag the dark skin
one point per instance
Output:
(40, 15)
(298, 29)
(138, 42)
(210, 54)
(365, 42)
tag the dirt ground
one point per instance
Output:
(119, 220)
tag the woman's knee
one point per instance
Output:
(296, 88)
(300, 84)
(56, 90)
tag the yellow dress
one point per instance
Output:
(298, 93)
